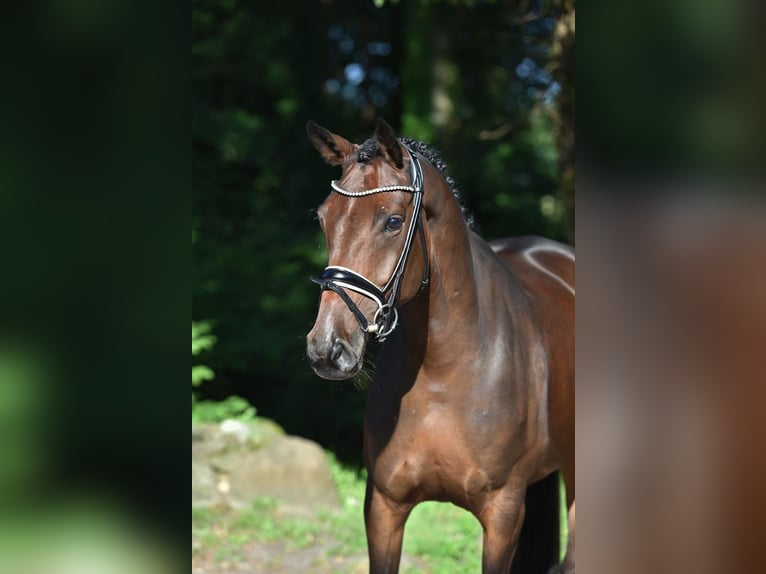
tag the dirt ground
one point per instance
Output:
(279, 557)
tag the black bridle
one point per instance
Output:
(337, 279)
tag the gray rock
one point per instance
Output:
(236, 463)
(204, 485)
(236, 429)
(290, 469)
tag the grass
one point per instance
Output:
(446, 537)
(439, 537)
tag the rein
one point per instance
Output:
(337, 279)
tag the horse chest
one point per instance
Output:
(426, 459)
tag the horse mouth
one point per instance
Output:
(335, 375)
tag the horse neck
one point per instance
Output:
(450, 307)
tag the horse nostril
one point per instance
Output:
(336, 352)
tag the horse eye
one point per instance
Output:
(393, 223)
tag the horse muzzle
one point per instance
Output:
(333, 357)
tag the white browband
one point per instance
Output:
(339, 189)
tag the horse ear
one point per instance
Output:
(333, 148)
(388, 143)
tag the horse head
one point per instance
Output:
(371, 220)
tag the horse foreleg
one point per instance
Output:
(384, 521)
(501, 520)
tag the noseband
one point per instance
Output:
(337, 279)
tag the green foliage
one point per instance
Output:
(202, 340)
(232, 407)
(201, 373)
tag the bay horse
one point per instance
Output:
(472, 398)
